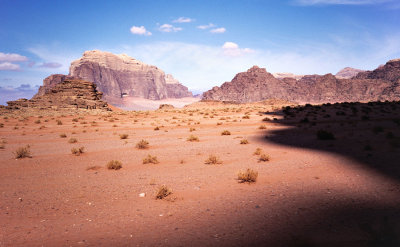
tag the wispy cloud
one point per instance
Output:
(12, 93)
(9, 66)
(341, 2)
(50, 65)
(183, 20)
(12, 57)
(167, 28)
(218, 30)
(232, 49)
(140, 30)
(209, 25)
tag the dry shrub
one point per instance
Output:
(193, 138)
(78, 151)
(248, 176)
(226, 133)
(262, 127)
(37, 121)
(123, 136)
(63, 135)
(246, 117)
(213, 160)
(244, 141)
(264, 157)
(157, 128)
(258, 151)
(59, 122)
(23, 152)
(163, 191)
(192, 129)
(150, 160)
(72, 140)
(75, 120)
(143, 144)
(114, 165)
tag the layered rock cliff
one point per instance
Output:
(257, 84)
(69, 94)
(348, 73)
(120, 75)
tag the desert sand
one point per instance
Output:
(312, 192)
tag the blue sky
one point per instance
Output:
(202, 43)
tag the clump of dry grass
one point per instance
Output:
(258, 151)
(248, 176)
(143, 144)
(59, 122)
(157, 128)
(114, 165)
(63, 135)
(264, 157)
(244, 141)
(262, 127)
(23, 152)
(246, 117)
(75, 120)
(163, 191)
(192, 129)
(37, 121)
(123, 136)
(72, 140)
(213, 160)
(78, 151)
(226, 133)
(150, 160)
(192, 138)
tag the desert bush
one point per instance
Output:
(23, 152)
(75, 120)
(150, 160)
(77, 151)
(114, 165)
(325, 135)
(157, 128)
(248, 176)
(72, 140)
(262, 127)
(226, 133)
(193, 138)
(63, 135)
(264, 157)
(37, 121)
(163, 191)
(246, 117)
(244, 141)
(192, 129)
(123, 136)
(1, 125)
(143, 144)
(258, 151)
(59, 122)
(213, 160)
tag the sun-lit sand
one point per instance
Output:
(303, 195)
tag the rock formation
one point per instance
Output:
(50, 81)
(175, 89)
(287, 75)
(120, 75)
(347, 73)
(257, 84)
(69, 94)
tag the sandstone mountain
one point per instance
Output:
(347, 73)
(120, 75)
(68, 94)
(257, 84)
(50, 81)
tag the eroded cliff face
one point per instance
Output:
(257, 84)
(121, 75)
(348, 73)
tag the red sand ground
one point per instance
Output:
(302, 196)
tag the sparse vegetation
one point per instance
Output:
(78, 151)
(163, 191)
(157, 128)
(63, 135)
(262, 127)
(258, 151)
(325, 135)
(213, 160)
(143, 144)
(114, 165)
(248, 176)
(37, 121)
(59, 122)
(264, 157)
(150, 160)
(244, 141)
(72, 140)
(193, 138)
(226, 133)
(23, 152)
(123, 136)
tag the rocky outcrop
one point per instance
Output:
(287, 75)
(348, 73)
(175, 89)
(257, 84)
(69, 94)
(120, 75)
(50, 81)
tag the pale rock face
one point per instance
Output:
(175, 89)
(348, 73)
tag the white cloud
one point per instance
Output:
(209, 25)
(341, 2)
(12, 57)
(232, 49)
(9, 66)
(183, 20)
(218, 30)
(140, 31)
(167, 28)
